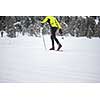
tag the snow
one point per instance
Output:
(24, 59)
(17, 23)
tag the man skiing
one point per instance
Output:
(54, 25)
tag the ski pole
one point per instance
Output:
(43, 38)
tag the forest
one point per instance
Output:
(77, 26)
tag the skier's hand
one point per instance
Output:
(60, 31)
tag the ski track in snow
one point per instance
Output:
(24, 59)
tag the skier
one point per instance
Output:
(54, 25)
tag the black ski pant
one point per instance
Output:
(53, 36)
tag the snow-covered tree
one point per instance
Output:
(74, 25)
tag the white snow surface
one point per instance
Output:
(24, 59)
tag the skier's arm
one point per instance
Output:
(58, 24)
(45, 20)
(59, 27)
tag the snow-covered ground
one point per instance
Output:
(24, 59)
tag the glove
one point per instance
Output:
(60, 31)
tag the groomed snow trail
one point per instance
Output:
(24, 59)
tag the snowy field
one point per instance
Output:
(24, 59)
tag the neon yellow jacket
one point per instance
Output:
(53, 21)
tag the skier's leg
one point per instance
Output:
(1, 34)
(59, 44)
(52, 40)
(54, 36)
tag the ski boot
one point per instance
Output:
(59, 46)
(52, 48)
